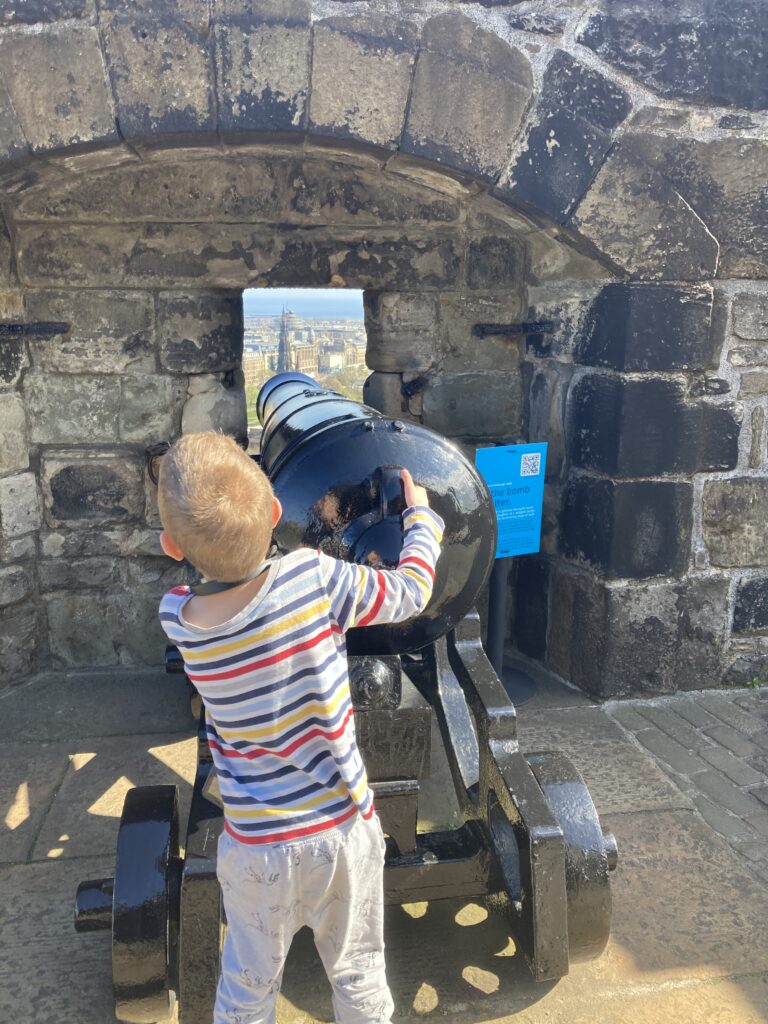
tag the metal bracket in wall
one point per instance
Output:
(530, 327)
(44, 329)
(413, 387)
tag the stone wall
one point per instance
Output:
(601, 164)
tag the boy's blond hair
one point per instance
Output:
(216, 504)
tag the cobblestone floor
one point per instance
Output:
(714, 747)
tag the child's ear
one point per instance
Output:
(277, 511)
(170, 547)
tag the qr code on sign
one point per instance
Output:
(530, 464)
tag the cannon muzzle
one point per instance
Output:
(335, 466)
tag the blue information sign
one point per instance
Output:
(515, 477)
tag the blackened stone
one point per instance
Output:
(650, 327)
(646, 428)
(469, 96)
(575, 114)
(628, 529)
(638, 639)
(750, 614)
(5, 254)
(101, 489)
(637, 219)
(724, 181)
(733, 520)
(736, 121)
(707, 385)
(160, 74)
(262, 67)
(13, 358)
(403, 263)
(200, 332)
(545, 386)
(494, 262)
(701, 50)
(529, 626)
(333, 193)
(361, 76)
(544, 24)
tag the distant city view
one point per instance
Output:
(314, 331)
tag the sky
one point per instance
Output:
(325, 303)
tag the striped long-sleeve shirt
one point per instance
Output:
(275, 684)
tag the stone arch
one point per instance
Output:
(537, 169)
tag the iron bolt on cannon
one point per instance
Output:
(530, 843)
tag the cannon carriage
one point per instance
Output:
(530, 841)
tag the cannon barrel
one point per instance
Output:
(334, 464)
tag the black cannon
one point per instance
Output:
(530, 844)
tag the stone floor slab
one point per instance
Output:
(619, 776)
(28, 785)
(49, 973)
(85, 814)
(78, 704)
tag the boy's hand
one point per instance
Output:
(414, 495)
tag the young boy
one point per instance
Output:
(264, 645)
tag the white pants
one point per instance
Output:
(334, 883)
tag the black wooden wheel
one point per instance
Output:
(590, 853)
(145, 914)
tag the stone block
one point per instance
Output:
(217, 408)
(473, 404)
(634, 428)
(17, 548)
(200, 332)
(383, 391)
(150, 408)
(529, 625)
(458, 314)
(634, 216)
(709, 54)
(196, 186)
(15, 584)
(567, 306)
(12, 140)
(231, 255)
(402, 330)
(56, 80)
(160, 72)
(11, 299)
(262, 56)
(361, 76)
(750, 315)
(97, 542)
(733, 521)
(750, 613)
(84, 488)
(754, 384)
(495, 262)
(195, 12)
(105, 629)
(469, 94)
(670, 751)
(638, 639)
(756, 442)
(725, 794)
(643, 327)
(14, 449)
(724, 181)
(110, 331)
(76, 573)
(632, 529)
(20, 630)
(60, 411)
(576, 113)
(19, 506)
(332, 193)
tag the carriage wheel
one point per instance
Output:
(145, 907)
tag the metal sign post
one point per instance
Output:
(515, 478)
